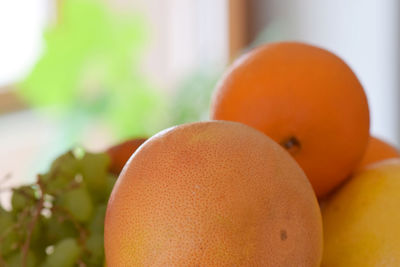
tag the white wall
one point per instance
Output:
(365, 33)
(185, 34)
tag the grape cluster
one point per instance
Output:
(59, 220)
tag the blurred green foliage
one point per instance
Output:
(192, 101)
(90, 69)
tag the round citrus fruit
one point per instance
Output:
(377, 150)
(361, 219)
(119, 154)
(212, 194)
(306, 99)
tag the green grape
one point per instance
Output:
(16, 259)
(9, 243)
(78, 202)
(94, 171)
(57, 229)
(22, 198)
(95, 246)
(62, 173)
(96, 225)
(38, 241)
(111, 179)
(78, 186)
(8, 237)
(58, 183)
(39, 251)
(65, 254)
(18, 201)
(6, 220)
(66, 164)
(37, 229)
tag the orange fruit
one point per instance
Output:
(212, 194)
(377, 150)
(306, 99)
(119, 154)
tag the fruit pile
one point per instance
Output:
(284, 174)
(290, 125)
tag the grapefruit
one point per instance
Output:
(212, 194)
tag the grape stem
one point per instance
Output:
(2, 262)
(31, 227)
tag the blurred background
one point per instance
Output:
(96, 72)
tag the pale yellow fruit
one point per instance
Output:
(362, 219)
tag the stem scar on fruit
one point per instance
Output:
(291, 144)
(283, 235)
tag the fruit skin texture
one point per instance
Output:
(361, 220)
(212, 194)
(306, 99)
(377, 150)
(119, 154)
